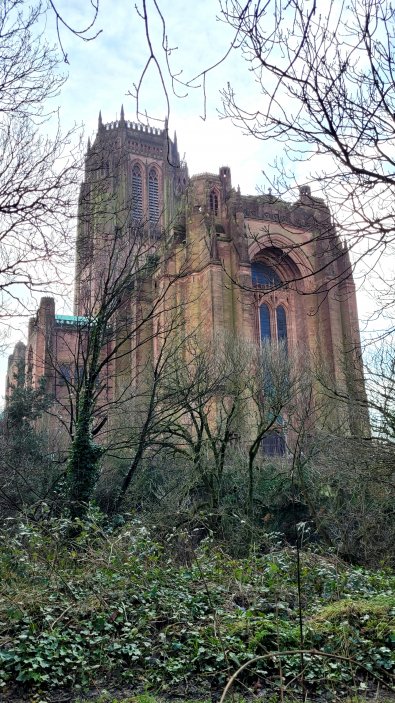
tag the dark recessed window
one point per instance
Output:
(281, 324)
(153, 195)
(137, 193)
(269, 325)
(273, 444)
(264, 322)
(213, 202)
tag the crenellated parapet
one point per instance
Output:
(306, 213)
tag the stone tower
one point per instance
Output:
(133, 179)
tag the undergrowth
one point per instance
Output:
(116, 606)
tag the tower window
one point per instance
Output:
(153, 195)
(213, 202)
(264, 321)
(137, 193)
(29, 373)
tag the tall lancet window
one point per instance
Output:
(29, 371)
(153, 196)
(281, 325)
(213, 202)
(137, 193)
(264, 323)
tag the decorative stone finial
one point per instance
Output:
(122, 114)
(100, 120)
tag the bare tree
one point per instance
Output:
(109, 381)
(348, 485)
(324, 89)
(227, 398)
(101, 361)
(326, 94)
(38, 173)
(380, 386)
(29, 477)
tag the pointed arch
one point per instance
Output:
(153, 195)
(264, 323)
(137, 193)
(281, 320)
(213, 201)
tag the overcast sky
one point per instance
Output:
(103, 72)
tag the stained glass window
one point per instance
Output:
(264, 275)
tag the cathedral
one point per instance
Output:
(159, 249)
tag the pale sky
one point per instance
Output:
(102, 74)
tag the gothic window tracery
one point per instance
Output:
(273, 323)
(153, 195)
(272, 315)
(137, 193)
(264, 275)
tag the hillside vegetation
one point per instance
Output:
(115, 608)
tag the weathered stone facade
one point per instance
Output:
(253, 267)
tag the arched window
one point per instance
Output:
(137, 193)
(153, 195)
(264, 275)
(264, 322)
(213, 202)
(281, 324)
(273, 444)
(29, 370)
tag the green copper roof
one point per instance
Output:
(71, 319)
